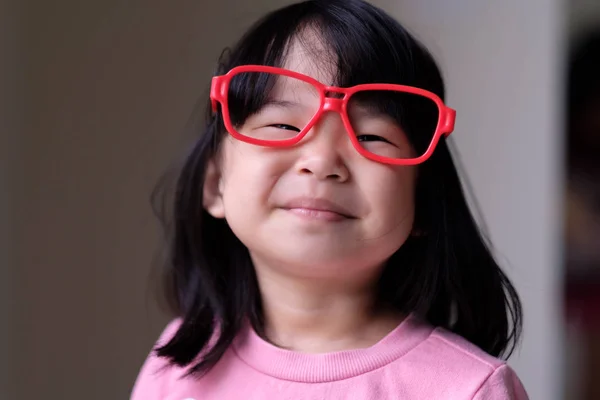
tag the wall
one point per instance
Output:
(111, 85)
(10, 98)
(503, 64)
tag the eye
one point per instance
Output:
(372, 138)
(285, 127)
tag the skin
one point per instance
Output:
(316, 268)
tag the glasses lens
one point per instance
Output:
(393, 124)
(271, 106)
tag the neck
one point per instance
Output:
(316, 316)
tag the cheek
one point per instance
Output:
(395, 201)
(392, 198)
(248, 176)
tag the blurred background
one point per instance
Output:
(94, 99)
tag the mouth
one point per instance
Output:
(318, 209)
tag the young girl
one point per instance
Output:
(321, 245)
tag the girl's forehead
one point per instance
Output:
(308, 55)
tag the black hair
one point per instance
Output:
(446, 275)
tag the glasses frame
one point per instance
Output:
(219, 95)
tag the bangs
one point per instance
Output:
(349, 42)
(355, 41)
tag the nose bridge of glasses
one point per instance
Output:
(334, 99)
(333, 104)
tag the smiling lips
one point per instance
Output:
(318, 209)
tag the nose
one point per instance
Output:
(321, 152)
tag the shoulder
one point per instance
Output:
(157, 373)
(459, 350)
(456, 364)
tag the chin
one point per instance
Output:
(324, 259)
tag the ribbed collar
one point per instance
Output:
(311, 368)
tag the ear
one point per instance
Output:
(213, 191)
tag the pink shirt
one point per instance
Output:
(415, 361)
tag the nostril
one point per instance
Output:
(334, 176)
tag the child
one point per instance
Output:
(321, 246)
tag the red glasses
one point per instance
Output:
(275, 107)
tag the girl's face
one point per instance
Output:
(315, 210)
